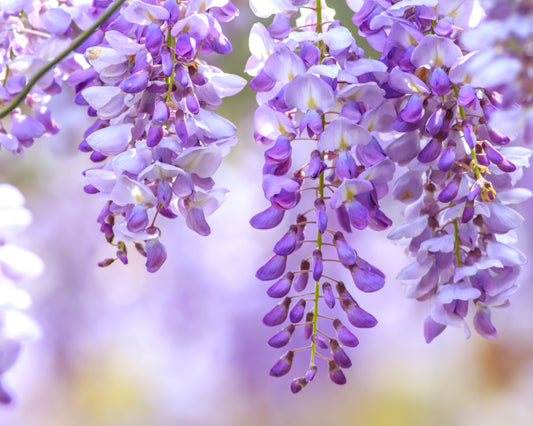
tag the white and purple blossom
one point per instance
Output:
(310, 98)
(454, 154)
(16, 266)
(156, 136)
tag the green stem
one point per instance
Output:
(50, 65)
(170, 81)
(319, 247)
(319, 16)
(476, 166)
(321, 195)
(457, 242)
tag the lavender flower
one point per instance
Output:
(459, 169)
(16, 265)
(156, 136)
(311, 93)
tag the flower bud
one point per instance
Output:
(283, 365)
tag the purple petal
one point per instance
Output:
(439, 82)
(367, 281)
(161, 113)
(413, 110)
(155, 255)
(309, 92)
(55, 21)
(470, 136)
(283, 366)
(267, 219)
(321, 216)
(483, 324)
(449, 192)
(358, 214)
(329, 297)
(154, 135)
(345, 336)
(24, 127)
(318, 266)
(301, 279)
(281, 287)
(138, 219)
(319, 341)
(154, 38)
(287, 244)
(281, 338)
(345, 252)
(272, 269)
(447, 158)
(278, 313)
(111, 140)
(436, 51)
(335, 374)
(466, 96)
(280, 151)
(430, 152)
(135, 83)
(357, 316)
(345, 167)
(298, 384)
(310, 53)
(280, 27)
(432, 329)
(339, 356)
(196, 221)
(343, 218)
(297, 312)
(435, 121)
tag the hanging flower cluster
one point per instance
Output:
(156, 135)
(460, 173)
(16, 265)
(317, 95)
(31, 33)
(503, 64)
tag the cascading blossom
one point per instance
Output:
(31, 34)
(16, 265)
(317, 93)
(502, 64)
(156, 134)
(460, 172)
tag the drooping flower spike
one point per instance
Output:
(460, 173)
(16, 265)
(317, 94)
(156, 136)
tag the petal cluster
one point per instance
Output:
(319, 96)
(459, 166)
(156, 141)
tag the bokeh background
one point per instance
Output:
(186, 346)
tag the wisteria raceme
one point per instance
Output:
(31, 34)
(318, 94)
(16, 265)
(155, 131)
(460, 174)
(503, 64)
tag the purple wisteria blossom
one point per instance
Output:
(16, 265)
(31, 34)
(460, 172)
(318, 95)
(502, 65)
(156, 138)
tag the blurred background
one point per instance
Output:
(186, 346)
